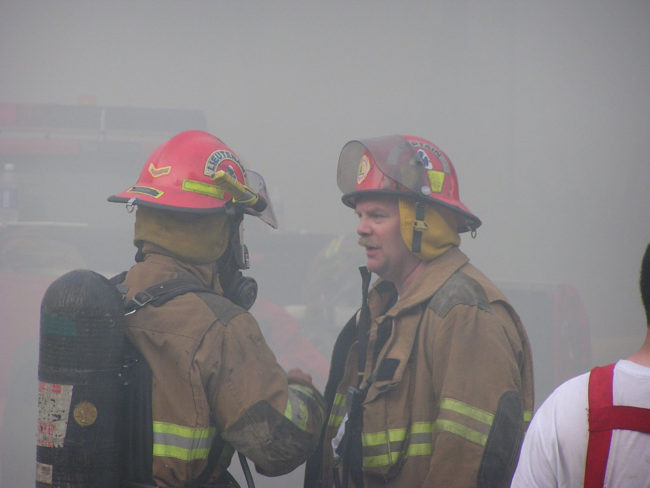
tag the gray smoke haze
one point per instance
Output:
(543, 107)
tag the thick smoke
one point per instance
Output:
(543, 108)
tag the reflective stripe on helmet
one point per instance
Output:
(146, 190)
(202, 188)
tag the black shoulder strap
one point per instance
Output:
(161, 293)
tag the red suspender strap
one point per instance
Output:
(603, 417)
(600, 396)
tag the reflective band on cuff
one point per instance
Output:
(296, 410)
(180, 442)
(528, 415)
(305, 391)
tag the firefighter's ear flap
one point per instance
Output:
(427, 230)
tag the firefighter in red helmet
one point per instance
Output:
(431, 381)
(214, 385)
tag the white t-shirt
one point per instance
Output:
(554, 451)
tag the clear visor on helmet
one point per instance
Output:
(393, 155)
(256, 183)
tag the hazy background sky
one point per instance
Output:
(543, 107)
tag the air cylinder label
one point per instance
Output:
(53, 410)
(44, 473)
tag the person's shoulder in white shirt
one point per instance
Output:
(554, 449)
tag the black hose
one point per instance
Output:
(246, 470)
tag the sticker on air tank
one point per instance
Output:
(44, 473)
(53, 410)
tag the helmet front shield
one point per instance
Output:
(256, 183)
(403, 166)
(395, 158)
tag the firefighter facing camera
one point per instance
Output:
(431, 380)
(215, 385)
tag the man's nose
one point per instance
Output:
(363, 228)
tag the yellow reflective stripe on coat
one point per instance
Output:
(384, 448)
(467, 410)
(180, 442)
(338, 410)
(479, 419)
(462, 431)
(296, 410)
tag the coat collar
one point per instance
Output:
(207, 274)
(430, 279)
(400, 346)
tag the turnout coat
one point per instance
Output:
(448, 380)
(216, 386)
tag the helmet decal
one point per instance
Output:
(364, 169)
(425, 159)
(223, 160)
(156, 172)
(436, 180)
(436, 151)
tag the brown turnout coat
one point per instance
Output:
(451, 387)
(213, 374)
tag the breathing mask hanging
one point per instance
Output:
(238, 288)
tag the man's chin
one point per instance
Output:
(373, 267)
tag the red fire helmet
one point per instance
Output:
(403, 166)
(178, 176)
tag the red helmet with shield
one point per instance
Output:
(404, 166)
(180, 176)
(192, 194)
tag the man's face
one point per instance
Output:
(379, 232)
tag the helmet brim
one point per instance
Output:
(468, 222)
(131, 199)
